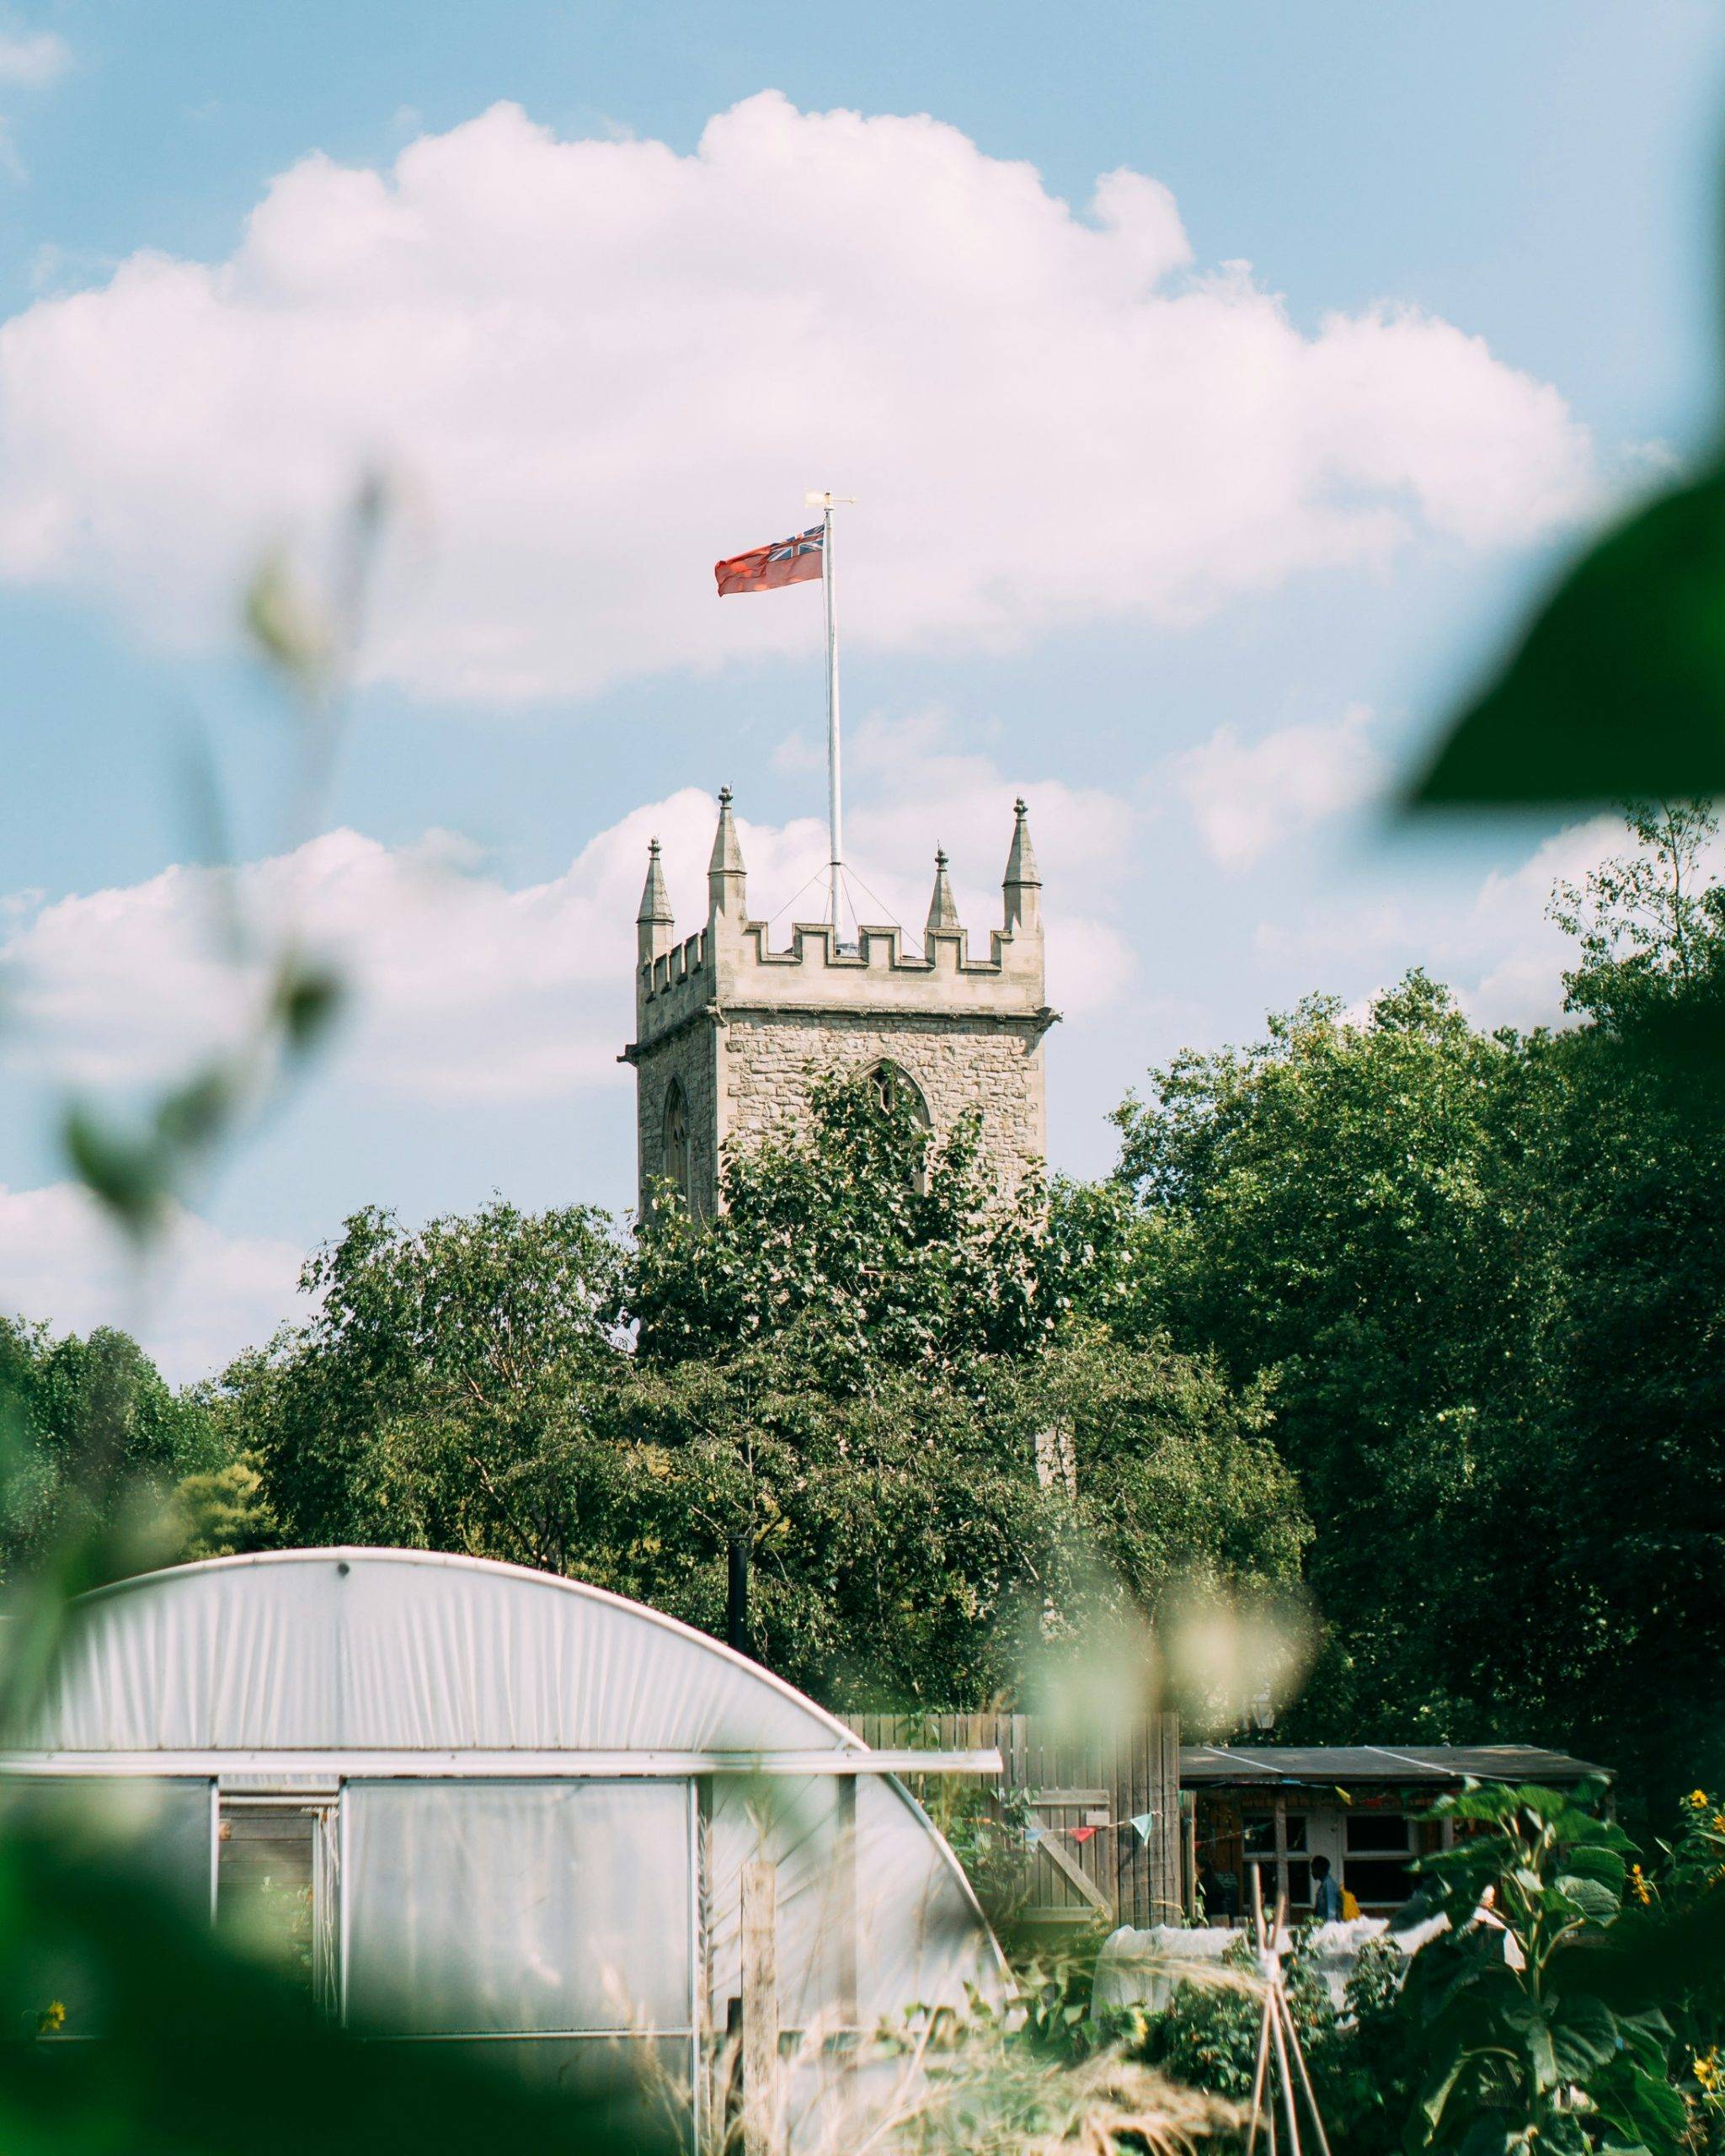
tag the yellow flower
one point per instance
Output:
(1719, 1822)
(1707, 2071)
(1698, 1798)
(52, 2019)
(1638, 1885)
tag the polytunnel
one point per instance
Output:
(523, 1810)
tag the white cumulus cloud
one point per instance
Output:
(1247, 796)
(1497, 946)
(33, 58)
(601, 365)
(214, 1294)
(462, 987)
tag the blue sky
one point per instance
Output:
(1202, 669)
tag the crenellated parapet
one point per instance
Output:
(728, 1030)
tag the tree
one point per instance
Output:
(858, 1398)
(1636, 1487)
(81, 1419)
(883, 1245)
(1346, 1205)
(434, 1358)
(1485, 1276)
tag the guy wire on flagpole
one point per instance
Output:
(826, 503)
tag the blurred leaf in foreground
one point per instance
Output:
(203, 2051)
(1618, 688)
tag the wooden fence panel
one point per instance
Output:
(1104, 1782)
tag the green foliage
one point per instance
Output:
(1517, 2044)
(1618, 686)
(1341, 1210)
(435, 1362)
(879, 1245)
(82, 1420)
(224, 1511)
(205, 2052)
(1688, 1889)
(861, 1398)
(1483, 1276)
(1207, 2037)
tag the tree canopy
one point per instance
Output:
(850, 1369)
(1484, 1275)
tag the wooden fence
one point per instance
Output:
(1103, 1783)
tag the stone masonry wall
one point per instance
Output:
(769, 1060)
(688, 1057)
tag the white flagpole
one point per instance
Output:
(835, 770)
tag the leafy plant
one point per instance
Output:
(1519, 2047)
(1688, 1887)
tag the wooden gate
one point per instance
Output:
(1088, 1862)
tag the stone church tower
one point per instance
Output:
(730, 1034)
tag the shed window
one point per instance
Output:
(1377, 1830)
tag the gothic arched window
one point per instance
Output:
(896, 1089)
(894, 1092)
(674, 1152)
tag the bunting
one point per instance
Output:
(1142, 1823)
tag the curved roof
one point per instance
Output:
(401, 1650)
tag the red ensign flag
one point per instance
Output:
(765, 569)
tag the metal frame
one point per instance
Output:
(215, 1846)
(332, 1765)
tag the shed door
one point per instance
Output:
(554, 1918)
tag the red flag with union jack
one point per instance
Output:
(765, 569)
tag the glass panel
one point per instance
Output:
(517, 1907)
(1377, 1830)
(1261, 1833)
(1378, 1882)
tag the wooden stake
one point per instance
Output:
(1281, 2006)
(1257, 2077)
(1323, 2139)
(760, 2106)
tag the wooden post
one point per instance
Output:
(761, 2090)
(1168, 1816)
(1281, 1852)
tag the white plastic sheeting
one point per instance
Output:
(1144, 1968)
(392, 1650)
(536, 1910)
(463, 1900)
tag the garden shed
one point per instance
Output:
(1367, 1807)
(521, 1811)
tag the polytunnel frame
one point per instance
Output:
(335, 1768)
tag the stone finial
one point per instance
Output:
(724, 871)
(655, 899)
(1022, 881)
(942, 907)
(655, 924)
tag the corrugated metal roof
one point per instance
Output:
(1437, 1765)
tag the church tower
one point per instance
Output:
(730, 1035)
